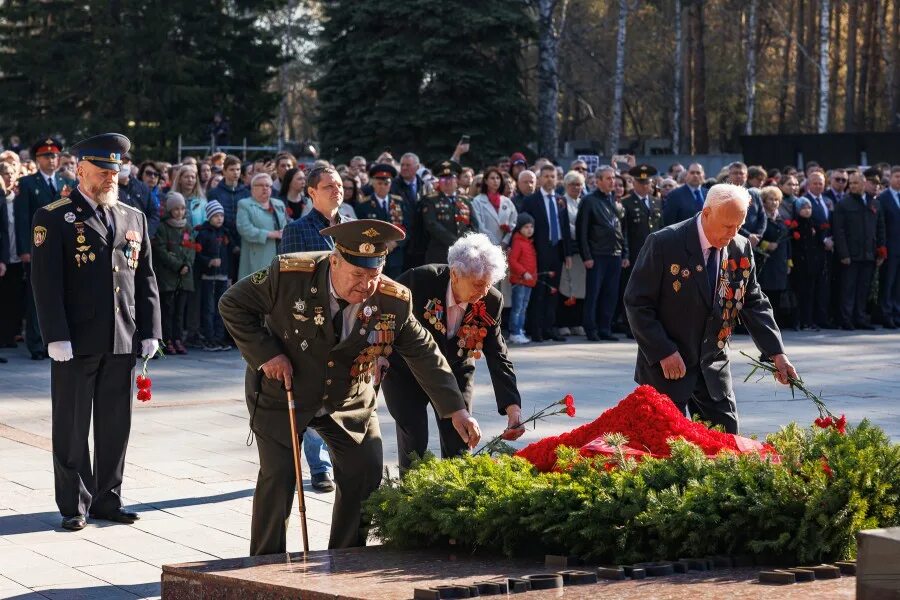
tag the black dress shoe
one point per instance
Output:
(38, 356)
(558, 338)
(75, 523)
(889, 324)
(3, 360)
(9, 345)
(592, 337)
(322, 482)
(608, 337)
(865, 326)
(118, 516)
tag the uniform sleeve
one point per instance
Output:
(48, 279)
(243, 308)
(503, 376)
(146, 293)
(428, 365)
(758, 317)
(641, 298)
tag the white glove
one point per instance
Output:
(60, 351)
(149, 347)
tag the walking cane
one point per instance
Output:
(298, 470)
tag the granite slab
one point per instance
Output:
(376, 573)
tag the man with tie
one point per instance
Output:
(822, 209)
(383, 205)
(328, 321)
(838, 187)
(457, 303)
(554, 246)
(98, 308)
(890, 270)
(36, 191)
(643, 216)
(691, 283)
(604, 249)
(687, 200)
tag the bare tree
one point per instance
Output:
(615, 126)
(892, 69)
(850, 76)
(700, 114)
(824, 21)
(551, 17)
(678, 71)
(750, 47)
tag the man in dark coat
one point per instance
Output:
(687, 200)
(446, 213)
(98, 305)
(459, 306)
(35, 191)
(554, 246)
(384, 205)
(889, 200)
(135, 194)
(331, 318)
(690, 284)
(859, 246)
(643, 216)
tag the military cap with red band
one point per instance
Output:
(382, 171)
(46, 146)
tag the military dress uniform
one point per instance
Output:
(446, 218)
(478, 334)
(335, 373)
(94, 286)
(394, 209)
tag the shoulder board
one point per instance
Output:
(392, 288)
(432, 196)
(396, 196)
(58, 203)
(290, 263)
(463, 197)
(123, 205)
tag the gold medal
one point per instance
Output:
(674, 268)
(80, 239)
(685, 273)
(676, 285)
(91, 256)
(746, 273)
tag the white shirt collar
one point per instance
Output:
(451, 300)
(704, 243)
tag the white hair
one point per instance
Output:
(573, 177)
(474, 255)
(524, 173)
(725, 193)
(412, 156)
(259, 176)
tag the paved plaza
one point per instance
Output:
(190, 472)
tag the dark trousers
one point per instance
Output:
(856, 283)
(409, 405)
(890, 288)
(210, 292)
(701, 404)
(12, 302)
(542, 307)
(193, 318)
(33, 340)
(601, 293)
(100, 383)
(357, 473)
(810, 286)
(173, 306)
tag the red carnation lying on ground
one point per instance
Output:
(648, 419)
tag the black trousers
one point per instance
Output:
(100, 384)
(541, 314)
(12, 302)
(173, 314)
(33, 340)
(700, 403)
(856, 283)
(357, 473)
(409, 405)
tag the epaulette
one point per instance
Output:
(396, 196)
(58, 203)
(137, 210)
(365, 198)
(392, 288)
(291, 263)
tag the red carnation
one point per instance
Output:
(198, 247)
(823, 422)
(570, 410)
(881, 251)
(732, 264)
(143, 382)
(826, 468)
(745, 262)
(841, 425)
(570, 301)
(569, 400)
(144, 395)
(796, 235)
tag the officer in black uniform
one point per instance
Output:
(447, 214)
(383, 205)
(97, 305)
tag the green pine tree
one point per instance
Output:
(416, 75)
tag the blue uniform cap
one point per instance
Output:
(104, 150)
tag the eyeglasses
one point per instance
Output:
(262, 185)
(840, 179)
(151, 173)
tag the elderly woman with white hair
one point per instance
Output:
(459, 305)
(690, 285)
(260, 220)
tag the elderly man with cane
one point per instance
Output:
(329, 320)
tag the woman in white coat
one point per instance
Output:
(496, 216)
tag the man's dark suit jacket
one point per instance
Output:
(858, 230)
(431, 281)
(891, 222)
(680, 205)
(34, 193)
(666, 317)
(547, 256)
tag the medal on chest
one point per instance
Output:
(732, 289)
(83, 252)
(434, 314)
(473, 331)
(381, 339)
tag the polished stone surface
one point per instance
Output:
(380, 574)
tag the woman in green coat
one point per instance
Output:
(260, 220)
(173, 258)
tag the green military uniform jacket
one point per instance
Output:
(639, 222)
(446, 220)
(335, 375)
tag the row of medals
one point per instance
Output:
(434, 314)
(730, 299)
(381, 339)
(471, 340)
(83, 252)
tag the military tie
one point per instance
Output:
(338, 319)
(712, 271)
(52, 187)
(101, 214)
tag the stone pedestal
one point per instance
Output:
(375, 573)
(878, 564)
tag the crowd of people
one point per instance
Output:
(826, 241)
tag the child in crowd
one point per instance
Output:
(213, 264)
(523, 275)
(173, 259)
(808, 276)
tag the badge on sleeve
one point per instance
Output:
(69, 217)
(40, 234)
(260, 276)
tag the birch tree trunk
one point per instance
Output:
(786, 72)
(892, 69)
(850, 75)
(615, 126)
(677, 72)
(824, 22)
(549, 26)
(701, 123)
(749, 33)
